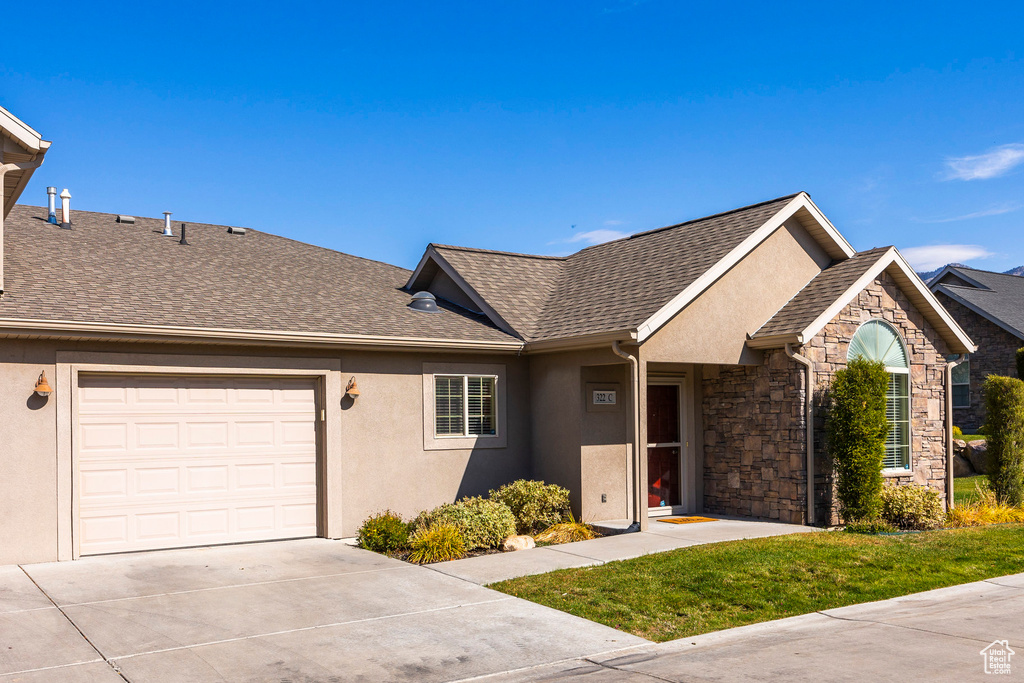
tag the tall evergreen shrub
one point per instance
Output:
(1020, 363)
(1004, 431)
(856, 431)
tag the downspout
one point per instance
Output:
(809, 419)
(635, 381)
(949, 428)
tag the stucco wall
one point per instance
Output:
(884, 300)
(379, 460)
(754, 440)
(996, 355)
(714, 328)
(604, 456)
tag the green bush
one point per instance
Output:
(957, 432)
(1004, 429)
(536, 505)
(875, 527)
(912, 507)
(383, 533)
(482, 523)
(856, 431)
(1020, 363)
(437, 543)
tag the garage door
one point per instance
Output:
(167, 462)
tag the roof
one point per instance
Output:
(825, 296)
(104, 273)
(21, 152)
(631, 284)
(818, 294)
(999, 297)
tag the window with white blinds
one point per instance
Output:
(465, 405)
(962, 384)
(877, 340)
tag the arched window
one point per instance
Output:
(877, 340)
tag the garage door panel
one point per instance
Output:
(157, 471)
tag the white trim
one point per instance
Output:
(18, 326)
(980, 311)
(432, 442)
(801, 201)
(465, 405)
(22, 132)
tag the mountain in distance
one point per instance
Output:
(927, 276)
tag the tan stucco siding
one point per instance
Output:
(714, 327)
(604, 456)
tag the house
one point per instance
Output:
(990, 308)
(168, 386)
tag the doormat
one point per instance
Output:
(687, 520)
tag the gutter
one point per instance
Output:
(960, 358)
(159, 333)
(809, 412)
(635, 380)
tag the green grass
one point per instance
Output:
(973, 437)
(712, 587)
(965, 488)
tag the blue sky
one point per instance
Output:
(374, 128)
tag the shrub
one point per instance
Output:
(957, 432)
(875, 527)
(569, 531)
(983, 510)
(1004, 429)
(437, 543)
(1020, 363)
(856, 431)
(912, 507)
(536, 505)
(482, 523)
(383, 533)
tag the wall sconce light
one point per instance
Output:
(352, 390)
(43, 387)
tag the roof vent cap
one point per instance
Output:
(424, 301)
(126, 219)
(167, 225)
(236, 231)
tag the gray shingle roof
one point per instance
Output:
(817, 295)
(608, 287)
(1002, 301)
(106, 272)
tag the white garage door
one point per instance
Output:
(167, 462)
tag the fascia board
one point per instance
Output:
(21, 132)
(586, 341)
(424, 260)
(801, 201)
(922, 289)
(16, 326)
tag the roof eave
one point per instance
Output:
(584, 341)
(15, 327)
(980, 311)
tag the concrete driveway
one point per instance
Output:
(311, 610)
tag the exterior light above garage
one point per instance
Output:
(43, 387)
(352, 389)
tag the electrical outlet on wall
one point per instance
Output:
(604, 497)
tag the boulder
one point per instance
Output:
(518, 543)
(962, 466)
(977, 453)
(959, 446)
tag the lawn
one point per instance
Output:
(965, 488)
(973, 437)
(712, 587)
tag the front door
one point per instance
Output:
(664, 443)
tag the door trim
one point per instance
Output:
(682, 446)
(688, 485)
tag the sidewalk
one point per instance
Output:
(662, 536)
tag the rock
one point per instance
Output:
(959, 446)
(518, 543)
(977, 453)
(962, 466)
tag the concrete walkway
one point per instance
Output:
(932, 636)
(662, 536)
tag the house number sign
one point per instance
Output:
(604, 398)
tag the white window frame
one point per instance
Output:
(465, 405)
(434, 442)
(953, 385)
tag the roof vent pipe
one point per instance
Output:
(167, 224)
(65, 207)
(51, 202)
(182, 241)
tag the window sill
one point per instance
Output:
(901, 472)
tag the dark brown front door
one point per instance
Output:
(663, 444)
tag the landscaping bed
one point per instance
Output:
(707, 588)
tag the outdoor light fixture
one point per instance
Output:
(352, 390)
(43, 387)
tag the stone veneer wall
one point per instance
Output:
(754, 434)
(996, 355)
(754, 438)
(883, 300)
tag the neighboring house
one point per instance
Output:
(990, 308)
(245, 386)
